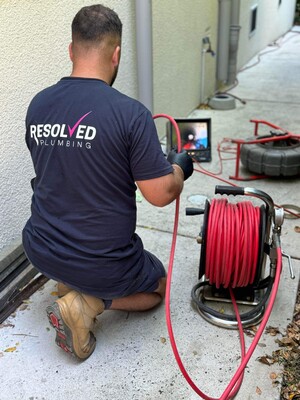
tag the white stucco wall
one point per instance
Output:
(273, 21)
(34, 54)
(178, 29)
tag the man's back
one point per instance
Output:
(89, 144)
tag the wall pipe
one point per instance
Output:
(235, 12)
(233, 41)
(143, 12)
(206, 48)
(223, 40)
(202, 75)
(228, 38)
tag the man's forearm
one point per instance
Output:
(162, 191)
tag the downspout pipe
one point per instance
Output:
(228, 39)
(143, 12)
(235, 12)
(233, 41)
(223, 40)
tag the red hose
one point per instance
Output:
(234, 216)
(232, 243)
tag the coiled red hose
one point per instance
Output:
(232, 243)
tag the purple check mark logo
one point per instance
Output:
(72, 130)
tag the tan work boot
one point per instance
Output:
(62, 289)
(73, 317)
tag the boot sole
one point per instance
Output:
(64, 336)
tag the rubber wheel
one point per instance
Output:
(222, 102)
(278, 158)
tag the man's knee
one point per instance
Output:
(161, 290)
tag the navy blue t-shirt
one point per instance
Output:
(89, 144)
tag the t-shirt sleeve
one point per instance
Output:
(146, 156)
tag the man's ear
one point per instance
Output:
(71, 51)
(116, 56)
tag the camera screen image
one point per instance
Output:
(194, 137)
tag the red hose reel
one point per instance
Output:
(233, 255)
(236, 239)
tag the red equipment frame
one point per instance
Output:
(286, 135)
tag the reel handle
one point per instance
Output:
(194, 211)
(234, 190)
(246, 191)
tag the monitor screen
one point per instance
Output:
(195, 136)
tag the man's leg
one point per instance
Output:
(134, 302)
(73, 315)
(141, 301)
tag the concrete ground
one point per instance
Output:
(133, 358)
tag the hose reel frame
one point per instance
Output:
(255, 295)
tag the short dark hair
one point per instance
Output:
(93, 23)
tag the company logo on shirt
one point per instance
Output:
(60, 134)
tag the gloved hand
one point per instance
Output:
(183, 160)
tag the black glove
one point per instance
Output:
(183, 160)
